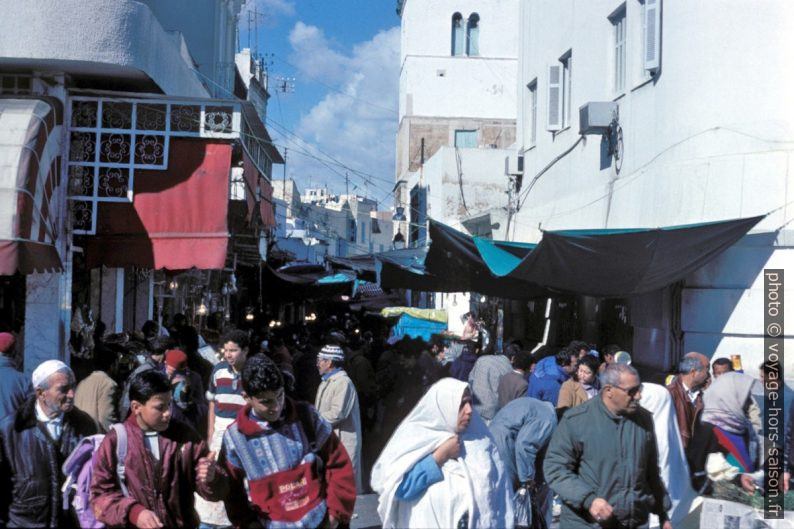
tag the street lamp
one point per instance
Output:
(399, 240)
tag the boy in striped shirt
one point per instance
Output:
(225, 397)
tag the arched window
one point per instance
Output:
(473, 35)
(458, 37)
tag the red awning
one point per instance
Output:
(258, 190)
(30, 154)
(177, 219)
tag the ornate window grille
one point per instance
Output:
(109, 138)
(16, 84)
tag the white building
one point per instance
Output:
(318, 223)
(457, 113)
(457, 89)
(703, 92)
(317, 195)
(144, 123)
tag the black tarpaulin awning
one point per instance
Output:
(618, 263)
(308, 282)
(605, 263)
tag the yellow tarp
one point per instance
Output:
(439, 315)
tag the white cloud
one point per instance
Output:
(313, 56)
(356, 121)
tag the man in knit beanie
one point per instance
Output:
(337, 403)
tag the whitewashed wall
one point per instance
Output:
(710, 138)
(433, 83)
(119, 38)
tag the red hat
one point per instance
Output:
(176, 358)
(7, 341)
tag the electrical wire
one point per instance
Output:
(363, 175)
(523, 196)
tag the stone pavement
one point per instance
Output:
(367, 513)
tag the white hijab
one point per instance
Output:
(672, 460)
(475, 483)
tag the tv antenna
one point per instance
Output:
(254, 16)
(285, 85)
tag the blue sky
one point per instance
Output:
(344, 56)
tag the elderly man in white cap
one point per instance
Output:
(34, 443)
(337, 402)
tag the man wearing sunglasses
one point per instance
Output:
(602, 459)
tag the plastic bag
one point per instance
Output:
(528, 515)
(522, 506)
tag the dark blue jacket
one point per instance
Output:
(463, 364)
(30, 467)
(546, 380)
(15, 387)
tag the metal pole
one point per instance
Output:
(284, 177)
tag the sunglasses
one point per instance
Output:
(630, 391)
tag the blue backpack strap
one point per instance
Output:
(121, 454)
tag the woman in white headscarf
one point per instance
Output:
(441, 467)
(672, 459)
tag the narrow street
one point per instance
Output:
(284, 250)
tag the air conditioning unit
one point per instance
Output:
(514, 164)
(595, 117)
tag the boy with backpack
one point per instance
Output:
(165, 462)
(298, 473)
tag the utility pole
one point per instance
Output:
(284, 177)
(347, 190)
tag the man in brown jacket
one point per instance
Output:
(98, 394)
(687, 392)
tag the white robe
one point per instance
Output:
(474, 483)
(672, 460)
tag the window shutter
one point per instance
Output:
(653, 29)
(554, 117)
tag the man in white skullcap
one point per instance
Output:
(34, 443)
(337, 403)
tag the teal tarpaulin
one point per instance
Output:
(413, 327)
(334, 279)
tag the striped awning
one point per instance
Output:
(30, 157)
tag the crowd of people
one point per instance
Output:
(286, 426)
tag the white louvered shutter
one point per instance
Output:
(653, 34)
(554, 116)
